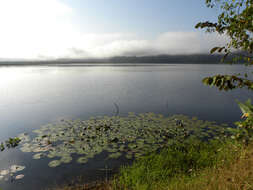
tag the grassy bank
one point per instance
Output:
(191, 165)
(235, 175)
(179, 165)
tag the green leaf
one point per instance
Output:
(206, 81)
(244, 108)
(214, 49)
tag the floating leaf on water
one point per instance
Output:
(82, 160)
(16, 168)
(25, 149)
(19, 177)
(112, 149)
(37, 156)
(132, 146)
(115, 155)
(40, 149)
(90, 155)
(4, 172)
(51, 155)
(66, 159)
(54, 163)
(138, 134)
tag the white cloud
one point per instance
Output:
(39, 29)
(107, 45)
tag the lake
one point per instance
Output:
(32, 96)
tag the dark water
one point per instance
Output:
(31, 96)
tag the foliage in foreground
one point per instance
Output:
(180, 161)
(247, 110)
(236, 22)
(245, 130)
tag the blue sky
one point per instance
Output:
(51, 29)
(142, 16)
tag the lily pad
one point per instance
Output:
(115, 155)
(4, 172)
(37, 156)
(66, 159)
(54, 163)
(16, 168)
(138, 134)
(19, 177)
(82, 160)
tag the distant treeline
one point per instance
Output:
(195, 58)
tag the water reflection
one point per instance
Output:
(32, 96)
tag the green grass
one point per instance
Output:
(182, 161)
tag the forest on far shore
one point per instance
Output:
(193, 58)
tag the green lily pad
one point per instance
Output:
(82, 160)
(115, 155)
(16, 168)
(54, 163)
(66, 159)
(138, 134)
(26, 149)
(37, 156)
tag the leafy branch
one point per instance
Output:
(228, 82)
(235, 21)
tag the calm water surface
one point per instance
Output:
(31, 96)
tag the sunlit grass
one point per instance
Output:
(176, 165)
(234, 175)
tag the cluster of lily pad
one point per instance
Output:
(10, 143)
(131, 136)
(5, 174)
